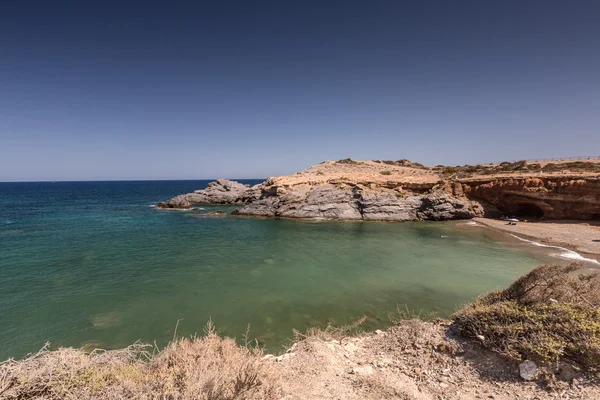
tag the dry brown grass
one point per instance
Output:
(208, 368)
(549, 315)
(331, 331)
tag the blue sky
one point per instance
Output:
(176, 90)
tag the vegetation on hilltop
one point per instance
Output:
(466, 171)
(523, 166)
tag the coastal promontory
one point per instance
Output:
(406, 191)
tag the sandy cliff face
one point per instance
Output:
(405, 191)
(566, 197)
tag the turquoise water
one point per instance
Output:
(92, 264)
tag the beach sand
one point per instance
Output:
(582, 237)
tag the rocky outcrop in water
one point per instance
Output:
(401, 191)
(221, 191)
(327, 201)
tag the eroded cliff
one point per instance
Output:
(404, 191)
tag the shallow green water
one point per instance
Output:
(92, 263)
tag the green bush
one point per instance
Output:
(548, 315)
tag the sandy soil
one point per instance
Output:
(379, 173)
(581, 237)
(414, 360)
(358, 172)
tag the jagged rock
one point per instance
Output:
(323, 201)
(221, 191)
(330, 201)
(441, 206)
(389, 206)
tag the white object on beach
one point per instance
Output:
(512, 220)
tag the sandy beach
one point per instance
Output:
(582, 237)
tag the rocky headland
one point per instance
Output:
(406, 191)
(221, 191)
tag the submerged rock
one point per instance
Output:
(210, 214)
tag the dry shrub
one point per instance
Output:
(331, 331)
(348, 161)
(208, 368)
(404, 314)
(72, 373)
(213, 368)
(548, 315)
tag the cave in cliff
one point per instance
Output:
(526, 211)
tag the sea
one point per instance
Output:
(96, 265)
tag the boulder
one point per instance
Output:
(221, 191)
(440, 205)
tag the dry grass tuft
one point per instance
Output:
(548, 315)
(405, 314)
(208, 368)
(330, 331)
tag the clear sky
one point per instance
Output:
(248, 89)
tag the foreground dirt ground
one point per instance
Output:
(414, 360)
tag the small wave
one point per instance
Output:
(152, 205)
(564, 253)
(470, 223)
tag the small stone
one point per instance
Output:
(443, 385)
(379, 332)
(417, 371)
(527, 370)
(480, 337)
(364, 370)
(566, 372)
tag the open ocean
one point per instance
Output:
(92, 264)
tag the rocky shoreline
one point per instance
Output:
(405, 191)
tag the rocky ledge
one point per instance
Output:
(221, 191)
(355, 201)
(405, 191)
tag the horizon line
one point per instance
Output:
(132, 180)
